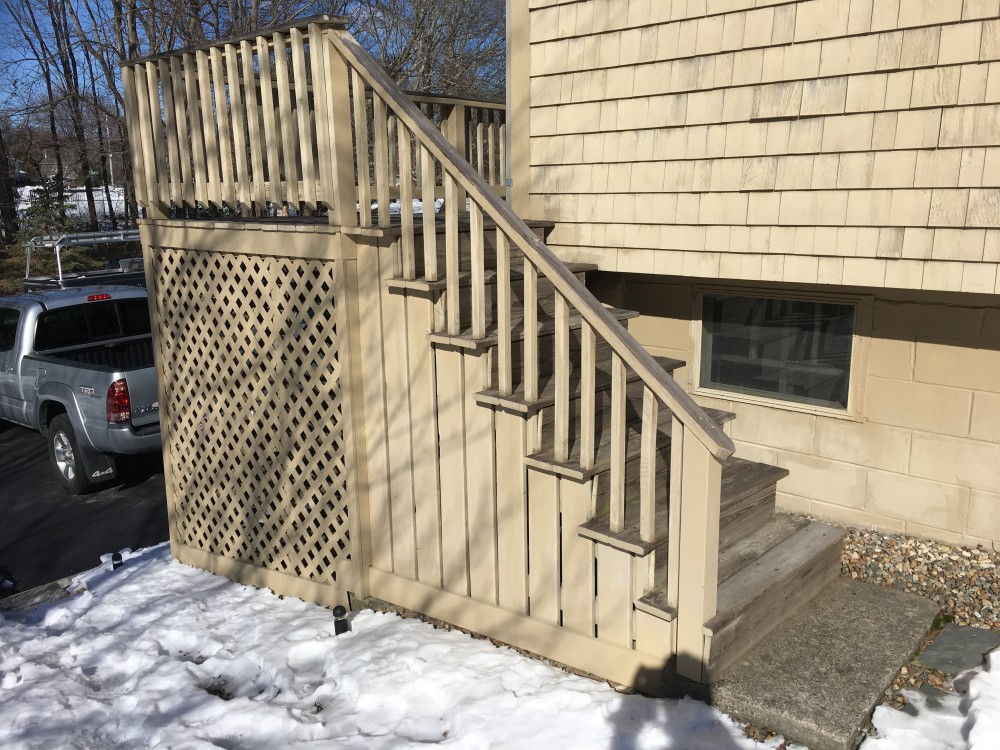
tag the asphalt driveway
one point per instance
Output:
(46, 534)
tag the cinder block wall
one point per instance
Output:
(921, 455)
(821, 141)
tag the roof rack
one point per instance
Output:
(56, 242)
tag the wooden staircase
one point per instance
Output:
(769, 563)
(525, 468)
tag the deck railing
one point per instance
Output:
(245, 126)
(326, 127)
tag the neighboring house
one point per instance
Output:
(803, 200)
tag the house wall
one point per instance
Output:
(822, 141)
(919, 455)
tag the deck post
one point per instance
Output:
(341, 204)
(700, 495)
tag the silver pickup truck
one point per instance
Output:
(77, 365)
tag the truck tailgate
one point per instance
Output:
(143, 396)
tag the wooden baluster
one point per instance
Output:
(478, 261)
(225, 137)
(430, 227)
(176, 78)
(306, 142)
(135, 143)
(530, 332)
(451, 250)
(209, 119)
(198, 169)
(170, 117)
(287, 121)
(502, 159)
(503, 315)
(677, 437)
(588, 389)
(491, 161)
(326, 180)
(617, 478)
(144, 121)
(156, 124)
(406, 202)
(361, 138)
(271, 132)
(383, 177)
(258, 195)
(481, 167)
(647, 466)
(239, 134)
(393, 163)
(562, 367)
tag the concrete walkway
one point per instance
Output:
(817, 677)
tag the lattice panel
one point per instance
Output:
(252, 393)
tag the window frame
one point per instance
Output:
(860, 343)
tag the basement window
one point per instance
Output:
(788, 349)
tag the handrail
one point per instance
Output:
(625, 346)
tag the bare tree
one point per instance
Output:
(446, 46)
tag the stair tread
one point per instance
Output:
(783, 561)
(633, 444)
(740, 478)
(465, 278)
(547, 386)
(737, 555)
(546, 325)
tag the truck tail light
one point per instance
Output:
(119, 406)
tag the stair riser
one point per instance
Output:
(465, 249)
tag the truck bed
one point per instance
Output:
(121, 355)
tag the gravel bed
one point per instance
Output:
(963, 581)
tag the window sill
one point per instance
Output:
(848, 415)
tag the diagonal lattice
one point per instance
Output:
(251, 377)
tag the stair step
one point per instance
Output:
(755, 599)
(547, 387)
(545, 460)
(540, 228)
(748, 496)
(733, 557)
(546, 325)
(747, 503)
(490, 277)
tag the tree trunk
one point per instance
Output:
(8, 198)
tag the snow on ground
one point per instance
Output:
(158, 654)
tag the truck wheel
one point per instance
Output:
(64, 452)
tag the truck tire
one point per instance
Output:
(64, 453)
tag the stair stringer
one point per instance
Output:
(462, 529)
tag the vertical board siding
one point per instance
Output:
(543, 547)
(512, 520)
(371, 286)
(449, 367)
(394, 324)
(480, 487)
(423, 410)
(577, 584)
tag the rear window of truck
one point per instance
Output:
(91, 323)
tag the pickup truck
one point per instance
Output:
(77, 365)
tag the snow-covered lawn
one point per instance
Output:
(158, 654)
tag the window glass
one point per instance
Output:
(91, 323)
(8, 328)
(795, 350)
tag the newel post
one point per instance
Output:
(453, 127)
(343, 203)
(698, 492)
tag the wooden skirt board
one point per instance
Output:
(254, 411)
(622, 665)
